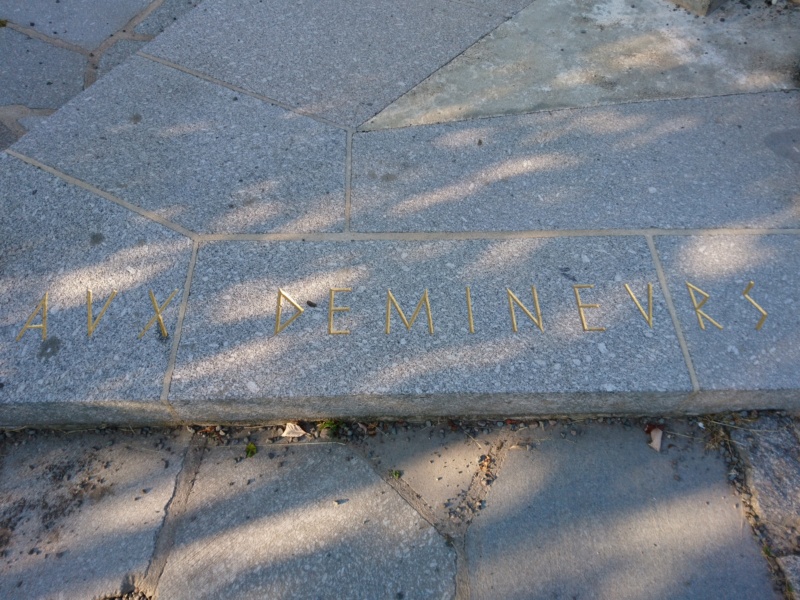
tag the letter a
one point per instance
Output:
(281, 326)
(42, 306)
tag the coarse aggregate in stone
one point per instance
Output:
(562, 521)
(121, 51)
(556, 55)
(738, 356)
(198, 154)
(165, 15)
(86, 23)
(36, 74)
(230, 355)
(340, 59)
(771, 452)
(79, 511)
(628, 166)
(61, 240)
(302, 522)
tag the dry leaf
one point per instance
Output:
(655, 439)
(293, 431)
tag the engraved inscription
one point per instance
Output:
(281, 297)
(391, 301)
(648, 316)
(41, 307)
(582, 306)
(159, 314)
(698, 306)
(92, 323)
(469, 312)
(512, 300)
(332, 308)
(763, 318)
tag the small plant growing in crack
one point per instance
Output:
(250, 450)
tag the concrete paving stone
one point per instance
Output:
(198, 154)
(436, 462)
(739, 356)
(340, 59)
(60, 240)
(86, 23)
(720, 162)
(280, 525)
(165, 15)
(121, 51)
(791, 569)
(568, 54)
(770, 450)
(7, 137)
(562, 522)
(80, 511)
(36, 74)
(230, 359)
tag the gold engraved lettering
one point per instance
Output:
(582, 306)
(390, 300)
(92, 323)
(512, 299)
(469, 312)
(699, 305)
(281, 326)
(334, 309)
(42, 306)
(648, 316)
(158, 316)
(754, 303)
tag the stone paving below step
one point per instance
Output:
(445, 509)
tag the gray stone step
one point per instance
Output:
(535, 243)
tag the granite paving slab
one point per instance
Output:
(79, 513)
(746, 354)
(200, 155)
(340, 59)
(279, 525)
(58, 242)
(721, 162)
(232, 363)
(86, 23)
(36, 74)
(670, 527)
(566, 54)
